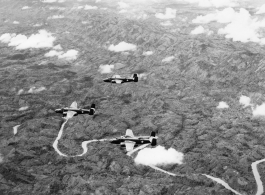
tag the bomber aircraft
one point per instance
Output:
(130, 141)
(118, 79)
(73, 110)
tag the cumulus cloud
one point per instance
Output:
(23, 108)
(53, 1)
(87, 7)
(244, 28)
(201, 30)
(166, 23)
(36, 90)
(20, 91)
(244, 100)
(222, 105)
(58, 47)
(259, 110)
(159, 156)
(104, 69)
(15, 129)
(15, 22)
(123, 5)
(37, 25)
(213, 3)
(123, 11)
(225, 16)
(43, 39)
(147, 53)
(168, 59)
(58, 8)
(25, 7)
(5, 38)
(261, 10)
(170, 13)
(69, 55)
(122, 46)
(56, 17)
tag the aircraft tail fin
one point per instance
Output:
(129, 132)
(92, 109)
(135, 77)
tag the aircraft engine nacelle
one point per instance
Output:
(113, 81)
(64, 114)
(153, 138)
(92, 109)
(59, 110)
(135, 78)
(153, 141)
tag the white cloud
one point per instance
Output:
(53, 1)
(25, 7)
(104, 69)
(37, 25)
(15, 22)
(58, 47)
(159, 156)
(168, 59)
(56, 17)
(58, 8)
(43, 39)
(123, 5)
(15, 129)
(243, 28)
(225, 16)
(36, 90)
(97, 1)
(49, 1)
(147, 53)
(170, 13)
(20, 91)
(69, 55)
(5, 38)
(244, 100)
(23, 108)
(201, 30)
(87, 7)
(166, 23)
(259, 110)
(123, 11)
(261, 10)
(53, 53)
(122, 46)
(213, 3)
(222, 105)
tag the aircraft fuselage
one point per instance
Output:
(118, 80)
(137, 141)
(78, 111)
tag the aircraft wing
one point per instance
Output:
(129, 133)
(129, 145)
(74, 105)
(70, 114)
(118, 81)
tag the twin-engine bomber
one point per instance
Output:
(118, 79)
(130, 141)
(73, 110)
